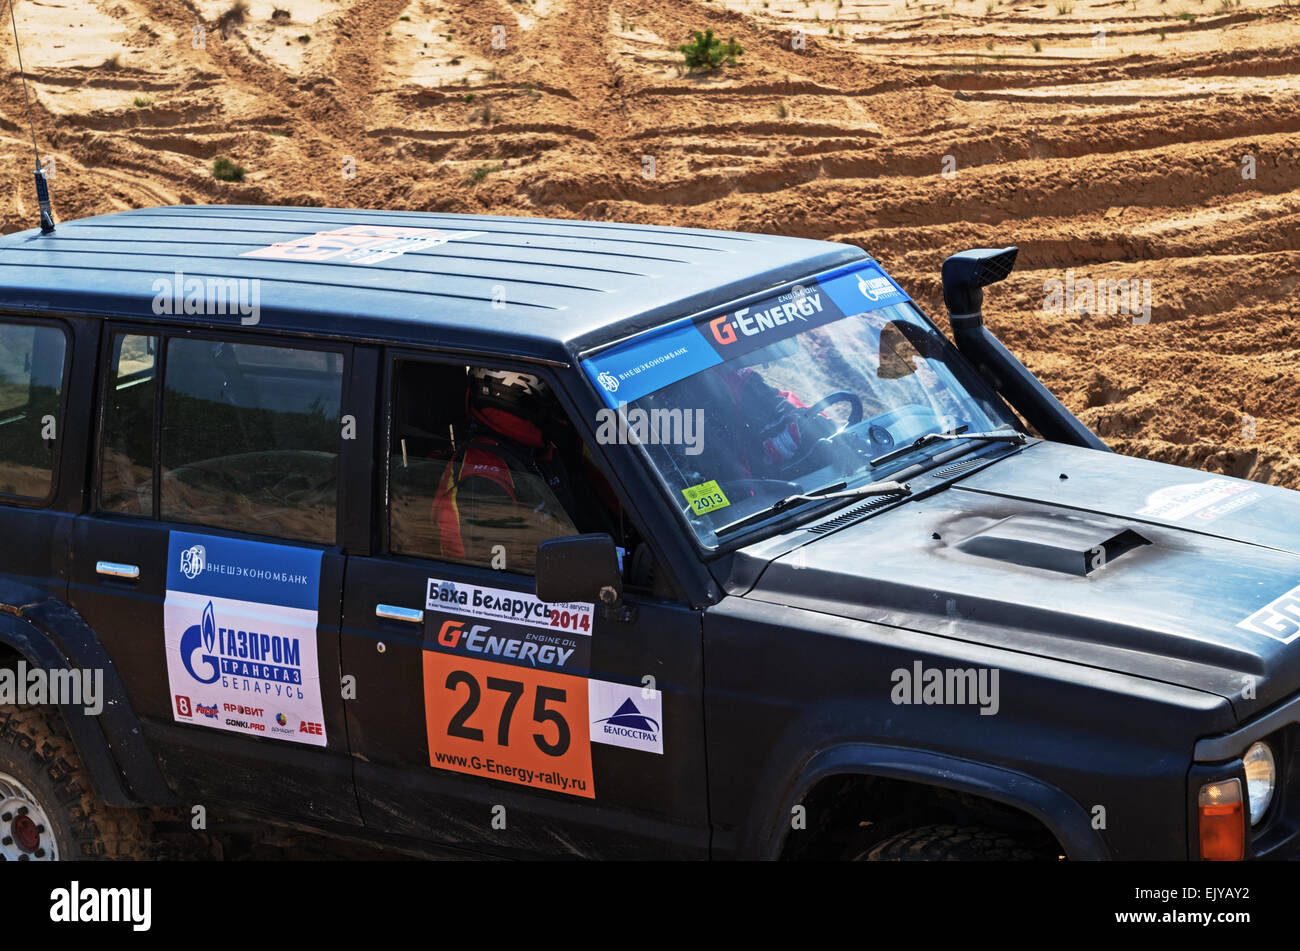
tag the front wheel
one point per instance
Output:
(48, 809)
(943, 843)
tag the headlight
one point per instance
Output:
(1261, 776)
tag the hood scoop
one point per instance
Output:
(1065, 543)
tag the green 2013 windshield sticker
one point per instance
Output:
(661, 357)
(706, 497)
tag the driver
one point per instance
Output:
(777, 426)
(506, 487)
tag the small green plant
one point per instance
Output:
(781, 110)
(1162, 35)
(237, 13)
(1225, 5)
(707, 52)
(468, 97)
(405, 18)
(1064, 7)
(988, 44)
(1037, 45)
(223, 169)
(482, 172)
(141, 102)
(112, 62)
(1187, 17)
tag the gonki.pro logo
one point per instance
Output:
(750, 323)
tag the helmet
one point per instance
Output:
(518, 405)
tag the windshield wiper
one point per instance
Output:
(818, 495)
(998, 435)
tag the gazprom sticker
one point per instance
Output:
(239, 630)
(866, 288)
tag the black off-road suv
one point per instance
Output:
(815, 580)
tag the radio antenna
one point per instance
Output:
(42, 186)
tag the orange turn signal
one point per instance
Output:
(1222, 821)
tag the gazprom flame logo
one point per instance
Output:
(201, 639)
(193, 561)
(875, 288)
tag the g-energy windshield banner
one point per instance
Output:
(661, 357)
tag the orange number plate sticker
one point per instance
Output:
(513, 724)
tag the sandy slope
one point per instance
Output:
(1121, 147)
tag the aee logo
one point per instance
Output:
(315, 729)
(183, 708)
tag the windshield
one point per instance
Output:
(794, 393)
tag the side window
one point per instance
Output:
(250, 438)
(31, 395)
(475, 480)
(126, 466)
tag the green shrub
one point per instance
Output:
(227, 171)
(706, 51)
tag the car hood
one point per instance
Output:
(1089, 557)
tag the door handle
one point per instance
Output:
(115, 570)
(394, 613)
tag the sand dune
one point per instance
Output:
(1136, 141)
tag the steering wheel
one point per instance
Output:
(808, 445)
(840, 396)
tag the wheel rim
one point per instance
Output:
(25, 830)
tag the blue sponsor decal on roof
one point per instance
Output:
(244, 571)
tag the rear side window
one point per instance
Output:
(32, 359)
(250, 438)
(126, 473)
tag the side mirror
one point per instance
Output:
(580, 568)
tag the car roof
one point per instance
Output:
(546, 287)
